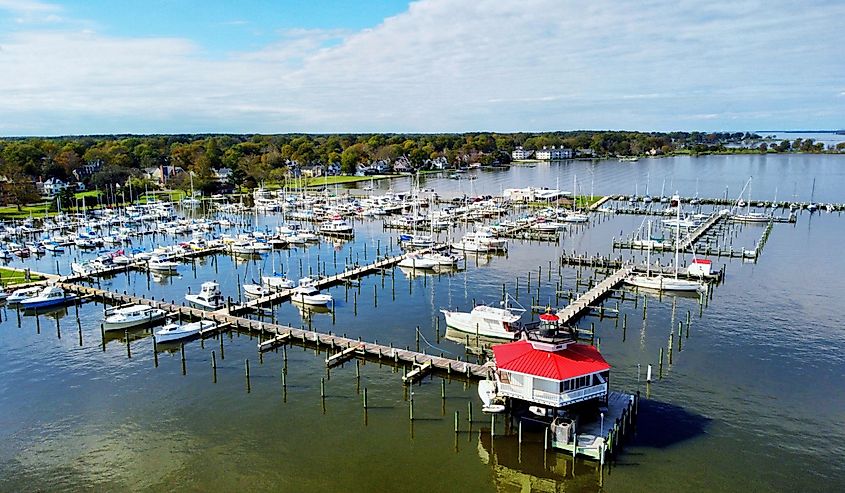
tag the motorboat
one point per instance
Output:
(336, 226)
(489, 321)
(21, 294)
(49, 296)
(82, 268)
(444, 259)
(307, 293)
(418, 261)
(53, 247)
(277, 281)
(162, 265)
(208, 297)
(132, 316)
(174, 332)
(471, 245)
(256, 290)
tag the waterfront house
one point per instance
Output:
(519, 153)
(553, 153)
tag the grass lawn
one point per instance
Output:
(171, 195)
(91, 194)
(31, 210)
(581, 201)
(10, 277)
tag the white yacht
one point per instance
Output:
(418, 261)
(307, 293)
(208, 297)
(132, 316)
(336, 226)
(21, 294)
(162, 265)
(489, 321)
(175, 332)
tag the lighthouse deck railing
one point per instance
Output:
(553, 399)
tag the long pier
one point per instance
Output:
(285, 294)
(600, 290)
(141, 264)
(698, 232)
(272, 335)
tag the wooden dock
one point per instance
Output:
(596, 439)
(573, 310)
(356, 272)
(272, 335)
(140, 264)
(698, 232)
(600, 202)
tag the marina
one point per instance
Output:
(385, 319)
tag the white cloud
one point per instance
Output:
(446, 65)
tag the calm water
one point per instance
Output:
(782, 177)
(752, 402)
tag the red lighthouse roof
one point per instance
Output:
(574, 361)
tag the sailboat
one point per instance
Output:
(661, 282)
(750, 217)
(575, 217)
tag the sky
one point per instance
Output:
(195, 66)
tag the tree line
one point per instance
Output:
(254, 159)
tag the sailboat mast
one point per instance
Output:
(677, 236)
(648, 252)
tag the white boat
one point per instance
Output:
(82, 268)
(661, 282)
(485, 237)
(307, 293)
(444, 259)
(208, 297)
(336, 226)
(472, 245)
(489, 321)
(49, 296)
(175, 332)
(417, 261)
(161, 264)
(132, 316)
(751, 217)
(256, 290)
(277, 281)
(21, 294)
(576, 217)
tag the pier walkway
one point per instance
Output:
(600, 290)
(698, 232)
(285, 294)
(272, 335)
(139, 264)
